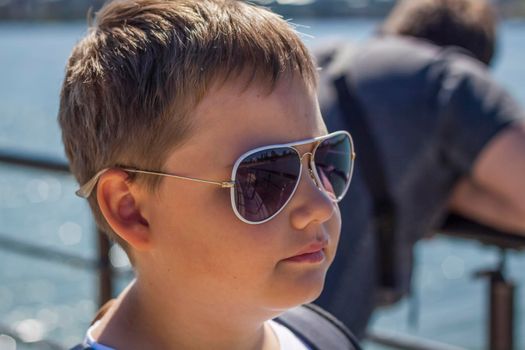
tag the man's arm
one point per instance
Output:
(494, 194)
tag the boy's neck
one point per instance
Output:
(145, 318)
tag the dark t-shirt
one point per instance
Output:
(431, 111)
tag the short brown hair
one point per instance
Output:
(470, 24)
(132, 82)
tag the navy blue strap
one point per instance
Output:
(318, 329)
(81, 347)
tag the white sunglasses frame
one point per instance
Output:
(313, 171)
(85, 190)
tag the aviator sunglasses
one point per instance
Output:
(265, 179)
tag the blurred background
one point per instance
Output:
(49, 285)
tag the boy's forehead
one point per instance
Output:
(257, 105)
(233, 118)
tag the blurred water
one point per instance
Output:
(45, 300)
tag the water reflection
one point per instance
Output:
(70, 233)
(41, 190)
(7, 343)
(30, 330)
(453, 267)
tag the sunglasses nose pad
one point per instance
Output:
(312, 175)
(311, 166)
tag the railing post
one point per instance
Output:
(105, 269)
(501, 335)
(501, 308)
(500, 325)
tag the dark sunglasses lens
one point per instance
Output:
(333, 163)
(265, 181)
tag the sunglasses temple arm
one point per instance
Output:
(85, 190)
(223, 184)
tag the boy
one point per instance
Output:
(167, 111)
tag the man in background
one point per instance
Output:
(434, 134)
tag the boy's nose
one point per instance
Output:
(311, 203)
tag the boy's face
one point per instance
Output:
(200, 246)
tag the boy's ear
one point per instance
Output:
(120, 209)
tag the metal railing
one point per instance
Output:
(106, 273)
(396, 340)
(102, 264)
(501, 290)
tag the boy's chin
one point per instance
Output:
(303, 291)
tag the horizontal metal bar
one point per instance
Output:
(458, 226)
(406, 342)
(53, 255)
(33, 161)
(45, 253)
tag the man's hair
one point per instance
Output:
(470, 24)
(132, 82)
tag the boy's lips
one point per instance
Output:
(311, 254)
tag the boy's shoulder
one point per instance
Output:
(316, 327)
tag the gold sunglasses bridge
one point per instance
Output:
(306, 154)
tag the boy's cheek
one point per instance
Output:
(334, 230)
